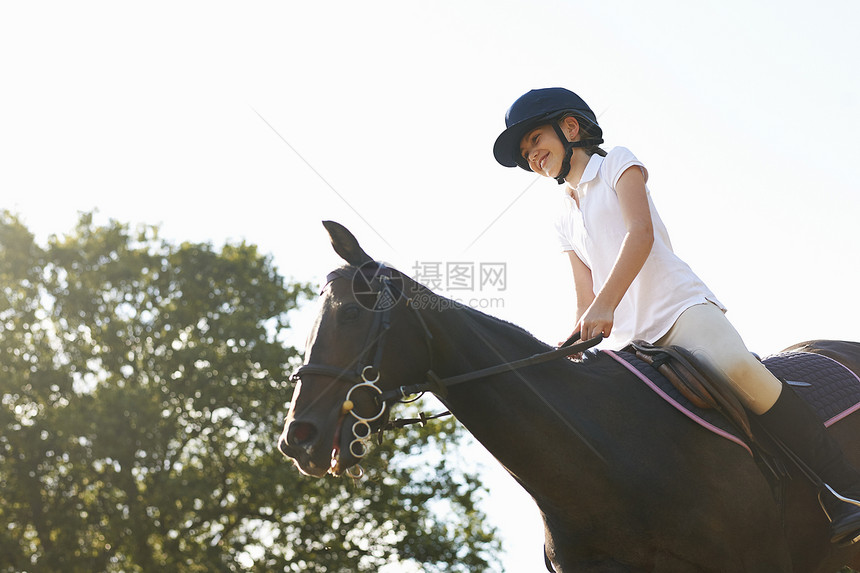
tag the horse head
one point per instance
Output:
(340, 399)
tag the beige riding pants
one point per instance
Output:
(705, 331)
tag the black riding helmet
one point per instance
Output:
(539, 107)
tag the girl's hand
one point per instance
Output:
(575, 357)
(598, 319)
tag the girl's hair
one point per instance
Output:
(588, 130)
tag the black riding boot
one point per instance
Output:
(792, 421)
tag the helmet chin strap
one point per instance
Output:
(569, 146)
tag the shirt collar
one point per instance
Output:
(590, 173)
(592, 168)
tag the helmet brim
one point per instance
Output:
(507, 146)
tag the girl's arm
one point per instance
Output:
(582, 283)
(599, 317)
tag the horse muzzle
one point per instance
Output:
(299, 442)
(315, 455)
(326, 439)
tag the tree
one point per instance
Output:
(143, 387)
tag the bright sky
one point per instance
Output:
(258, 120)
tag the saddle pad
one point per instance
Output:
(830, 388)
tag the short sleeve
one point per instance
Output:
(617, 161)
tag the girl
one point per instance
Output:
(630, 284)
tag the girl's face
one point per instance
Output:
(543, 150)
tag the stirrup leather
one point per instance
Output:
(681, 368)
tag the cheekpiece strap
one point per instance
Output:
(569, 146)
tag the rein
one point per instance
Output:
(439, 386)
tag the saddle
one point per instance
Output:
(683, 370)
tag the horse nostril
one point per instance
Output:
(300, 433)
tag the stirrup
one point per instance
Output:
(850, 537)
(841, 498)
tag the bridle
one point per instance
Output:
(365, 373)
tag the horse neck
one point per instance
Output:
(466, 340)
(515, 411)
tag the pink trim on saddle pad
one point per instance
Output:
(844, 414)
(675, 404)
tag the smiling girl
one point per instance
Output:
(630, 284)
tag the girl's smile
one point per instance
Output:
(543, 151)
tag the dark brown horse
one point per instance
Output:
(623, 482)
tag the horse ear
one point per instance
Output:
(345, 244)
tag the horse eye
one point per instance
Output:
(349, 313)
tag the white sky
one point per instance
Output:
(258, 120)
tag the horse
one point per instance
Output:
(623, 482)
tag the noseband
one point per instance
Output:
(366, 373)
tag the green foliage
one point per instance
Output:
(143, 388)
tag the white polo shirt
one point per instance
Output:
(663, 289)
